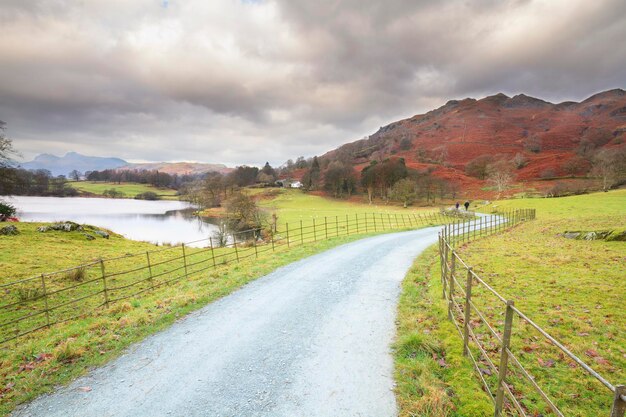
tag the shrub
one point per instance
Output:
(6, 210)
(77, 274)
(478, 167)
(148, 195)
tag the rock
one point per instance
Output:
(88, 236)
(590, 236)
(9, 231)
(43, 229)
(571, 235)
(102, 233)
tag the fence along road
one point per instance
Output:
(312, 338)
(504, 372)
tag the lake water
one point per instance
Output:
(151, 221)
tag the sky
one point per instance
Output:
(249, 81)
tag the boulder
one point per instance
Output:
(102, 233)
(571, 235)
(88, 236)
(9, 231)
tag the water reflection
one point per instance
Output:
(159, 222)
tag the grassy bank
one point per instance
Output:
(433, 378)
(128, 189)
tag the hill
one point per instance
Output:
(72, 161)
(551, 139)
(179, 168)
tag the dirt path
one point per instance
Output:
(311, 339)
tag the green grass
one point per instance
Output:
(433, 378)
(293, 206)
(32, 252)
(571, 288)
(130, 189)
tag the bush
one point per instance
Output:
(6, 210)
(148, 195)
(76, 275)
(113, 193)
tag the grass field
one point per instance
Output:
(291, 206)
(129, 189)
(571, 288)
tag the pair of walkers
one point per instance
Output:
(466, 204)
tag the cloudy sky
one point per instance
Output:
(249, 81)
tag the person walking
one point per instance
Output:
(466, 205)
(457, 206)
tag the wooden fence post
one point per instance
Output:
(104, 284)
(45, 299)
(451, 287)
(272, 238)
(504, 358)
(287, 229)
(325, 228)
(301, 233)
(347, 226)
(150, 269)
(212, 252)
(235, 245)
(374, 217)
(619, 406)
(256, 253)
(314, 231)
(468, 300)
(185, 261)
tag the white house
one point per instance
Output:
(296, 184)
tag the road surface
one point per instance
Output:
(310, 339)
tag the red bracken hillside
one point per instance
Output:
(546, 135)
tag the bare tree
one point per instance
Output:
(6, 147)
(610, 166)
(500, 173)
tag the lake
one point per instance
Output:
(151, 221)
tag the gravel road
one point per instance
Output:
(310, 339)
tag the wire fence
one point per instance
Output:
(39, 302)
(503, 349)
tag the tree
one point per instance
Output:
(610, 166)
(242, 212)
(312, 176)
(339, 179)
(368, 179)
(519, 160)
(269, 171)
(405, 191)
(75, 175)
(478, 167)
(500, 173)
(6, 147)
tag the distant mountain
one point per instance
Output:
(180, 168)
(548, 136)
(72, 161)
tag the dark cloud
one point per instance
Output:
(249, 81)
